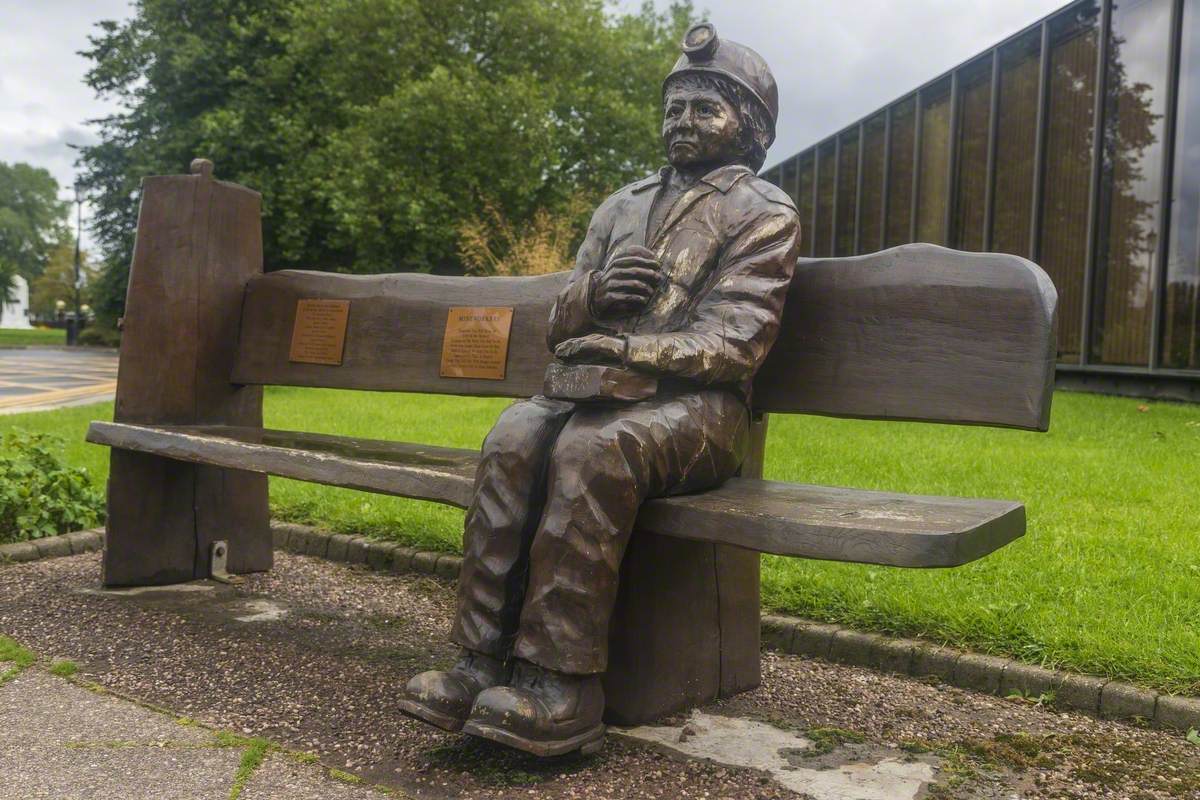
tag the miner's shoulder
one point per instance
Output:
(764, 189)
(615, 200)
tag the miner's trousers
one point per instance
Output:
(556, 494)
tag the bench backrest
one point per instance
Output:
(917, 332)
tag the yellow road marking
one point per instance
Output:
(58, 395)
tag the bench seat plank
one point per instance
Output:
(422, 472)
(768, 516)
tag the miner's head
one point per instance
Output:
(720, 104)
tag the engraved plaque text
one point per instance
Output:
(476, 343)
(319, 335)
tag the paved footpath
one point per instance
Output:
(61, 740)
(310, 658)
(42, 378)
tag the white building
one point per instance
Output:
(16, 313)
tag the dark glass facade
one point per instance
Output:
(1075, 143)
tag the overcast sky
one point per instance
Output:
(834, 62)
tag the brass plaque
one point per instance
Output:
(319, 335)
(476, 343)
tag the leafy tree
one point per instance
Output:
(32, 222)
(57, 281)
(375, 128)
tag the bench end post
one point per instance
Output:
(198, 242)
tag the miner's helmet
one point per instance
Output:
(705, 53)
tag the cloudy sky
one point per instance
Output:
(834, 61)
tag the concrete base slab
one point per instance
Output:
(739, 742)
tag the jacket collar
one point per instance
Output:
(722, 178)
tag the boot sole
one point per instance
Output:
(412, 708)
(587, 743)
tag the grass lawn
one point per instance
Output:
(12, 337)
(1106, 581)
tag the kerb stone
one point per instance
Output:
(937, 662)
(1080, 691)
(338, 545)
(979, 672)
(777, 633)
(854, 648)
(1180, 713)
(84, 541)
(402, 559)
(895, 655)
(1123, 701)
(379, 555)
(280, 534)
(52, 547)
(425, 562)
(1029, 681)
(298, 540)
(447, 567)
(19, 552)
(356, 550)
(814, 638)
(318, 543)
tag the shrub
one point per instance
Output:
(97, 336)
(491, 244)
(39, 495)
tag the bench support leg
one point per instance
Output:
(685, 630)
(198, 242)
(164, 516)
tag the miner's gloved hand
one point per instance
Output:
(626, 284)
(595, 348)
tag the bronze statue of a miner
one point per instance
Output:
(682, 277)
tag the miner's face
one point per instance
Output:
(700, 128)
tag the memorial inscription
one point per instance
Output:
(476, 342)
(319, 335)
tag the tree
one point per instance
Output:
(375, 128)
(32, 222)
(57, 281)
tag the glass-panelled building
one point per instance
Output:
(1074, 143)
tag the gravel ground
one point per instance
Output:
(311, 656)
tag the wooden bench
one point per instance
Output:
(913, 333)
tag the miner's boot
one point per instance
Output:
(542, 712)
(444, 699)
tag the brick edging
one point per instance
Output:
(1001, 676)
(991, 674)
(376, 554)
(67, 544)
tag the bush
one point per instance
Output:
(491, 244)
(100, 337)
(39, 495)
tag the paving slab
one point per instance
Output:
(41, 708)
(282, 777)
(64, 742)
(117, 773)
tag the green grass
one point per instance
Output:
(1106, 581)
(13, 659)
(11, 337)
(64, 669)
(252, 758)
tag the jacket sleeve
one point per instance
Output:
(572, 315)
(734, 325)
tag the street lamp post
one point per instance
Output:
(73, 328)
